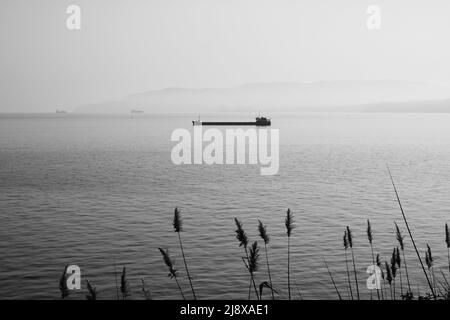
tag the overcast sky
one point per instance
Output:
(125, 47)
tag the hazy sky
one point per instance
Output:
(125, 47)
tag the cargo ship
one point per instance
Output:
(259, 122)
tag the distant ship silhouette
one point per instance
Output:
(259, 122)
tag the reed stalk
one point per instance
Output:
(178, 227)
(265, 236)
(241, 236)
(394, 267)
(430, 262)
(124, 287)
(332, 279)
(382, 276)
(253, 264)
(370, 238)
(447, 241)
(345, 240)
(350, 243)
(401, 242)
(263, 285)
(289, 223)
(92, 291)
(63, 284)
(388, 276)
(172, 271)
(409, 231)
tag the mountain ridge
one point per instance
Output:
(275, 96)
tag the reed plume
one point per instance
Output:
(370, 238)
(401, 242)
(447, 241)
(253, 264)
(178, 227)
(92, 291)
(430, 261)
(409, 231)
(388, 276)
(172, 270)
(264, 235)
(241, 236)
(124, 287)
(345, 240)
(350, 243)
(63, 284)
(289, 223)
(394, 267)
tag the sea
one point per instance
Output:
(99, 192)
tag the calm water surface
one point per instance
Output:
(99, 191)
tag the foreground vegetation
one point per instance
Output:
(395, 281)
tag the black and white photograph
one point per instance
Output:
(250, 151)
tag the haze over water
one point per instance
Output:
(99, 191)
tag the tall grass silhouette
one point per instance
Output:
(447, 241)
(265, 236)
(124, 287)
(289, 223)
(389, 277)
(439, 286)
(92, 291)
(382, 276)
(370, 238)
(350, 243)
(332, 280)
(400, 239)
(178, 227)
(398, 260)
(241, 236)
(409, 231)
(253, 264)
(172, 271)
(394, 267)
(345, 242)
(63, 284)
(430, 263)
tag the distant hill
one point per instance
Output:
(386, 95)
(432, 106)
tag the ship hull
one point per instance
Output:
(230, 124)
